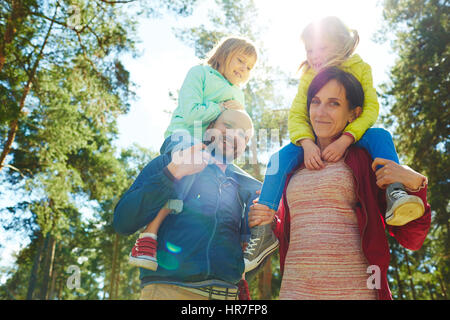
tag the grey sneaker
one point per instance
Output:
(402, 207)
(175, 205)
(262, 243)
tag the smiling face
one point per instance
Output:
(229, 135)
(238, 68)
(329, 111)
(319, 52)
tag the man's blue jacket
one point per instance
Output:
(203, 242)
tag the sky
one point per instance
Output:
(165, 61)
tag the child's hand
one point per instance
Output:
(336, 149)
(233, 105)
(312, 157)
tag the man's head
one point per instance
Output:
(229, 134)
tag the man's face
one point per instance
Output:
(228, 139)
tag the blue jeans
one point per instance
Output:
(180, 140)
(377, 141)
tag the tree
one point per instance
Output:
(62, 87)
(418, 110)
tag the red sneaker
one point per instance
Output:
(143, 253)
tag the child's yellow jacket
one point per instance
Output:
(298, 122)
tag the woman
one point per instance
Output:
(330, 222)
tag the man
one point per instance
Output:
(199, 250)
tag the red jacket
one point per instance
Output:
(370, 211)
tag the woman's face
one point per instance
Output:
(329, 111)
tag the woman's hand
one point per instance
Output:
(312, 156)
(393, 172)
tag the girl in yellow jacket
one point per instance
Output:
(329, 42)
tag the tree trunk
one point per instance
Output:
(51, 294)
(430, 290)
(14, 124)
(61, 284)
(254, 159)
(411, 282)
(112, 280)
(14, 18)
(265, 281)
(397, 277)
(48, 266)
(116, 286)
(35, 268)
(441, 283)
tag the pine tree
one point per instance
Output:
(417, 101)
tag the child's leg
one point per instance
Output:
(378, 142)
(154, 225)
(143, 253)
(279, 166)
(179, 141)
(401, 207)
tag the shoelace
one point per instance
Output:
(144, 246)
(396, 194)
(250, 247)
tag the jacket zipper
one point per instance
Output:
(208, 247)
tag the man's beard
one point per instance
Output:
(217, 153)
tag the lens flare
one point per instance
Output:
(173, 248)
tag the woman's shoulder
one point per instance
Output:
(358, 157)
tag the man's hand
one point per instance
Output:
(335, 150)
(393, 172)
(189, 161)
(232, 105)
(260, 214)
(312, 156)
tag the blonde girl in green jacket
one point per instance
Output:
(207, 90)
(328, 43)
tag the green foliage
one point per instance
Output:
(417, 101)
(62, 87)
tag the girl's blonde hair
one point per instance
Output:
(219, 57)
(334, 30)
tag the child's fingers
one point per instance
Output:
(326, 155)
(316, 163)
(319, 161)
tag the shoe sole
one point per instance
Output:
(143, 263)
(406, 211)
(255, 262)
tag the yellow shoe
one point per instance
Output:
(402, 207)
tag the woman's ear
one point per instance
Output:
(355, 114)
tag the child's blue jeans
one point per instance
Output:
(180, 140)
(377, 141)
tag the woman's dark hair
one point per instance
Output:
(353, 89)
